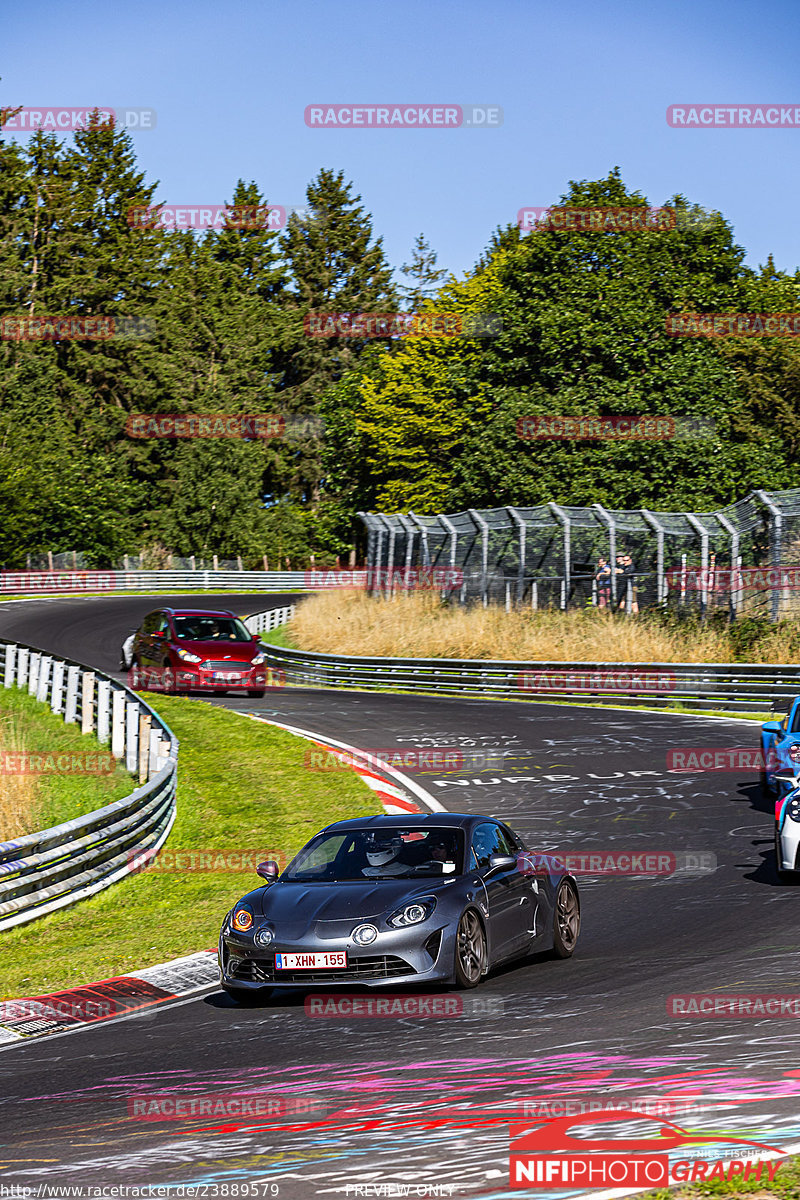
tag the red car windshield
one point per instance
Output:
(210, 629)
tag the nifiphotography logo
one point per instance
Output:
(552, 1157)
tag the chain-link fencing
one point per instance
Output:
(742, 559)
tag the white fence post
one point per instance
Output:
(71, 706)
(57, 694)
(132, 736)
(154, 759)
(22, 666)
(33, 673)
(103, 713)
(87, 702)
(11, 662)
(118, 723)
(45, 667)
(144, 745)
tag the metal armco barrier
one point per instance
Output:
(725, 687)
(271, 619)
(43, 872)
(47, 582)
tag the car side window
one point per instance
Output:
(506, 842)
(149, 623)
(796, 721)
(485, 843)
(163, 624)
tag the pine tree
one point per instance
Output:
(425, 275)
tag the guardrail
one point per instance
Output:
(726, 687)
(46, 582)
(46, 871)
(261, 622)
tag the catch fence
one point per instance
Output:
(741, 559)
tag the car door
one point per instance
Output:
(509, 895)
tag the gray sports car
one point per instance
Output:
(440, 898)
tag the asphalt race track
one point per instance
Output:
(595, 1027)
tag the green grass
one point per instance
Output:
(27, 724)
(242, 786)
(785, 1186)
(280, 637)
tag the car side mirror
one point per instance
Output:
(502, 860)
(786, 776)
(256, 637)
(772, 727)
(159, 633)
(268, 870)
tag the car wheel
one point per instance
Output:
(257, 693)
(566, 919)
(470, 950)
(244, 996)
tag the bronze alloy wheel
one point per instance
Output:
(470, 950)
(566, 919)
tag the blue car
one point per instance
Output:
(780, 749)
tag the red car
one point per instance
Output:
(187, 649)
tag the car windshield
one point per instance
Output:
(211, 629)
(407, 853)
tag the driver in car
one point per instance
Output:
(382, 855)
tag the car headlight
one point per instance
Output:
(794, 752)
(258, 660)
(187, 657)
(263, 937)
(412, 914)
(242, 920)
(365, 935)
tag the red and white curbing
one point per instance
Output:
(61, 1012)
(394, 796)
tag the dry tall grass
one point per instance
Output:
(418, 625)
(18, 793)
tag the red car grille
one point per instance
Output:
(226, 666)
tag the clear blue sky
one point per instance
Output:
(584, 86)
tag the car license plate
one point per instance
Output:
(231, 675)
(299, 962)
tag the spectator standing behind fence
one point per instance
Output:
(627, 571)
(603, 577)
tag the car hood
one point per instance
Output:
(219, 651)
(294, 908)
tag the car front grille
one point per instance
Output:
(225, 666)
(376, 966)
